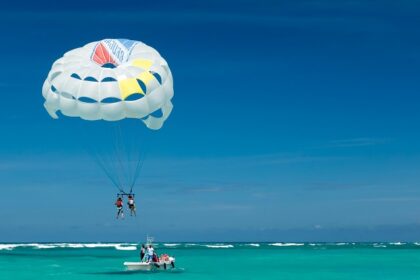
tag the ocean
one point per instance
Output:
(200, 261)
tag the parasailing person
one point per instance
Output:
(120, 210)
(131, 205)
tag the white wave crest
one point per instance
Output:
(171, 244)
(74, 245)
(126, 248)
(8, 246)
(286, 244)
(219, 246)
(35, 245)
(397, 243)
(253, 244)
(101, 245)
(45, 246)
(118, 246)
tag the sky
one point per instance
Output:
(292, 121)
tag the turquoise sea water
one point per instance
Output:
(215, 261)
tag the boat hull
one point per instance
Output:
(144, 266)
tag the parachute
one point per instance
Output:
(112, 80)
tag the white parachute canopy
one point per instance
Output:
(111, 80)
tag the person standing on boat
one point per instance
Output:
(150, 253)
(142, 252)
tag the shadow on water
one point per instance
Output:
(128, 272)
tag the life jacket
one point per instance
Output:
(119, 203)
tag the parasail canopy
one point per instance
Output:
(111, 80)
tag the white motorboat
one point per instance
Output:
(163, 264)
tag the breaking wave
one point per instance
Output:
(286, 244)
(118, 246)
(126, 248)
(215, 246)
(253, 244)
(179, 246)
(171, 244)
(7, 246)
(44, 246)
(397, 243)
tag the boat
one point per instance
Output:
(162, 264)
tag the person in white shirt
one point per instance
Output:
(131, 205)
(150, 253)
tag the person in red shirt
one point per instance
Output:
(119, 204)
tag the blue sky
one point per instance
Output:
(293, 120)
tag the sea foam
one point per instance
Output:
(397, 243)
(171, 244)
(8, 246)
(286, 244)
(126, 248)
(45, 246)
(216, 246)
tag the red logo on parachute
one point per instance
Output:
(103, 57)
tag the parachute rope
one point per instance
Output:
(138, 169)
(107, 172)
(121, 163)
